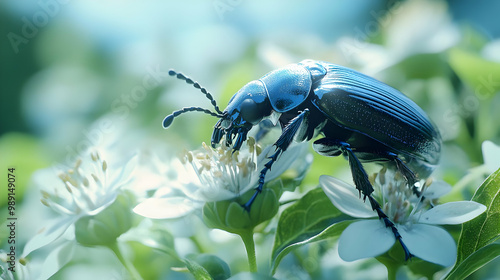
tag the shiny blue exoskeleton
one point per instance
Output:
(360, 118)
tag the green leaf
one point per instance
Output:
(422, 66)
(475, 261)
(482, 75)
(310, 219)
(215, 266)
(475, 247)
(198, 271)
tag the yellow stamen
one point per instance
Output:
(45, 194)
(217, 173)
(72, 182)
(63, 176)
(68, 188)
(182, 156)
(428, 182)
(44, 202)
(200, 156)
(205, 165)
(258, 149)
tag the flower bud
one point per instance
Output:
(229, 215)
(105, 227)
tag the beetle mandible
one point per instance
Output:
(360, 118)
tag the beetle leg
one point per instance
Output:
(359, 175)
(409, 176)
(327, 147)
(281, 144)
(334, 147)
(364, 186)
(388, 223)
(242, 136)
(217, 134)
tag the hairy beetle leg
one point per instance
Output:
(281, 144)
(363, 185)
(388, 223)
(262, 175)
(409, 176)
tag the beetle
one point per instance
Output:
(358, 116)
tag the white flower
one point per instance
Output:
(491, 156)
(214, 175)
(84, 190)
(415, 223)
(19, 266)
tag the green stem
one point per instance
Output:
(126, 263)
(198, 244)
(391, 272)
(247, 238)
(391, 265)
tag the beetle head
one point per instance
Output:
(245, 109)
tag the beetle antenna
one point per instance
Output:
(167, 121)
(190, 81)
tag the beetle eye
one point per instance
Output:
(249, 111)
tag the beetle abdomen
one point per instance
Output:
(365, 105)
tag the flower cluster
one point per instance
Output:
(215, 174)
(92, 206)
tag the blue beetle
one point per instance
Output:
(360, 118)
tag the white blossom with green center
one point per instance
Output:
(415, 220)
(83, 190)
(214, 175)
(222, 173)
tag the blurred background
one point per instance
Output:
(80, 73)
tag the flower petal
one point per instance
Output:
(165, 207)
(430, 243)
(106, 200)
(365, 239)
(452, 213)
(49, 234)
(285, 160)
(345, 197)
(437, 189)
(212, 193)
(491, 153)
(57, 258)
